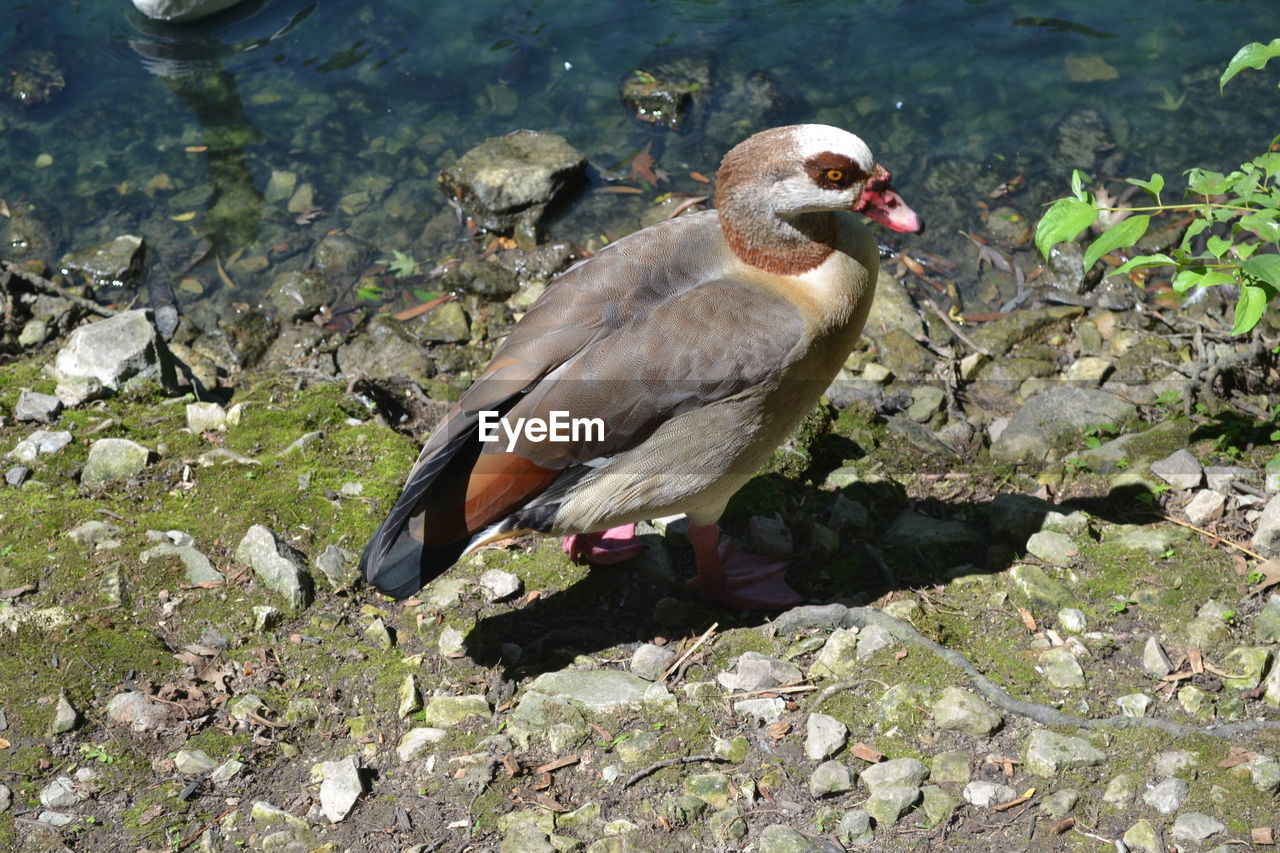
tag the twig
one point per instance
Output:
(43, 284)
(955, 329)
(668, 762)
(705, 636)
(1215, 537)
(795, 688)
(191, 839)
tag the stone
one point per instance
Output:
(780, 838)
(116, 353)
(950, 767)
(936, 805)
(17, 475)
(298, 295)
(1173, 761)
(886, 805)
(116, 263)
(664, 93)
(1195, 827)
(33, 407)
(445, 324)
(914, 537)
(1048, 753)
(39, 443)
(265, 813)
(727, 825)
(338, 565)
(766, 710)
(902, 704)
(6, 798)
(755, 671)
(1180, 469)
(959, 710)
(206, 417)
(1017, 517)
(1033, 584)
(1248, 664)
(855, 828)
(65, 716)
(1263, 771)
(1060, 803)
(113, 459)
(1121, 790)
(598, 689)
(824, 736)
(61, 793)
(444, 593)
(1134, 704)
(1142, 837)
(1061, 669)
(409, 698)
(769, 536)
(1054, 414)
(447, 711)
(1073, 619)
(279, 566)
(499, 585)
(926, 401)
(873, 638)
(1266, 627)
(522, 837)
(898, 772)
(193, 762)
(1204, 506)
(485, 278)
(650, 662)
(340, 787)
(1155, 661)
(830, 777)
(1166, 796)
(137, 711)
(712, 788)
(175, 543)
(838, 657)
(987, 794)
(1056, 549)
(1266, 535)
(386, 351)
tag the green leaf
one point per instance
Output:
(1204, 182)
(1077, 185)
(1196, 226)
(1250, 56)
(1269, 162)
(1218, 246)
(1153, 186)
(426, 295)
(1253, 301)
(1144, 261)
(1264, 268)
(1200, 277)
(1063, 222)
(1126, 232)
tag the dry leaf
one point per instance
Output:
(622, 190)
(866, 753)
(642, 165)
(700, 178)
(557, 764)
(196, 149)
(1236, 756)
(1062, 826)
(778, 730)
(510, 764)
(184, 217)
(1027, 619)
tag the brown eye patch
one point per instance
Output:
(833, 171)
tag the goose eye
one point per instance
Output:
(835, 175)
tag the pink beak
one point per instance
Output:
(883, 204)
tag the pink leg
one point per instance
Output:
(603, 549)
(731, 576)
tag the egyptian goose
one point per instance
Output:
(699, 344)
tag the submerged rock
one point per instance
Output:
(33, 77)
(116, 263)
(663, 93)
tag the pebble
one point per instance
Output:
(40, 442)
(1194, 826)
(987, 794)
(855, 828)
(838, 657)
(1266, 536)
(898, 772)
(872, 639)
(886, 805)
(959, 710)
(1180, 469)
(1056, 549)
(1155, 661)
(499, 585)
(764, 710)
(1121, 790)
(1173, 761)
(1142, 837)
(1060, 803)
(33, 407)
(137, 711)
(757, 672)
(1204, 506)
(650, 662)
(340, 788)
(206, 417)
(65, 717)
(1134, 704)
(417, 741)
(780, 838)
(824, 736)
(1061, 669)
(277, 564)
(830, 777)
(1073, 619)
(1167, 795)
(17, 475)
(1048, 752)
(61, 793)
(445, 711)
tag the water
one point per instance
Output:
(174, 133)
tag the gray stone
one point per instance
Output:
(598, 689)
(1061, 669)
(1048, 753)
(1166, 796)
(1266, 536)
(1054, 414)
(727, 825)
(650, 662)
(1056, 549)
(1073, 619)
(1180, 469)
(278, 565)
(987, 794)
(755, 671)
(386, 351)
(886, 805)
(338, 565)
(61, 793)
(950, 767)
(499, 585)
(1060, 803)
(1248, 664)
(17, 475)
(769, 536)
(855, 828)
(1017, 517)
(523, 837)
(830, 777)
(199, 568)
(1155, 661)
(37, 408)
(936, 805)
(558, 721)
(444, 593)
(1204, 506)
(902, 704)
(765, 710)
(193, 762)
(713, 788)
(959, 710)
(119, 352)
(898, 772)
(1266, 627)
(1134, 704)
(446, 323)
(1038, 588)
(6, 798)
(1263, 771)
(926, 401)
(939, 543)
(824, 736)
(839, 656)
(1142, 837)
(780, 838)
(1121, 790)
(39, 443)
(137, 711)
(872, 639)
(299, 294)
(1195, 827)
(115, 263)
(206, 417)
(65, 717)
(113, 459)
(340, 787)
(408, 697)
(417, 742)
(1174, 761)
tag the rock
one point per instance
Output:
(1155, 661)
(1249, 664)
(506, 182)
(1195, 827)
(61, 793)
(193, 762)
(340, 787)
(855, 828)
(113, 459)
(1263, 771)
(824, 736)
(338, 565)
(1073, 619)
(499, 585)
(1173, 761)
(838, 657)
(1054, 414)
(386, 351)
(902, 704)
(65, 717)
(1061, 802)
(1134, 704)
(780, 838)
(764, 710)
(137, 711)
(39, 443)
(1266, 628)
(1038, 588)
(17, 475)
(1166, 796)
(806, 616)
(523, 837)
(277, 564)
(299, 294)
(417, 741)
(118, 353)
(936, 805)
(1180, 469)
(6, 798)
(37, 408)
(444, 324)
(663, 93)
(728, 824)
(711, 788)
(181, 11)
(32, 77)
(939, 543)
(1047, 753)
(830, 777)
(959, 710)
(206, 417)
(756, 672)
(873, 638)
(486, 278)
(1204, 506)
(598, 689)
(1266, 536)
(115, 263)
(1081, 135)
(199, 569)
(987, 794)
(1142, 837)
(910, 772)
(886, 805)
(1061, 669)
(769, 536)
(409, 698)
(926, 401)
(650, 662)
(1056, 549)
(447, 711)
(950, 767)
(1121, 790)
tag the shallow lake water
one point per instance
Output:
(207, 133)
